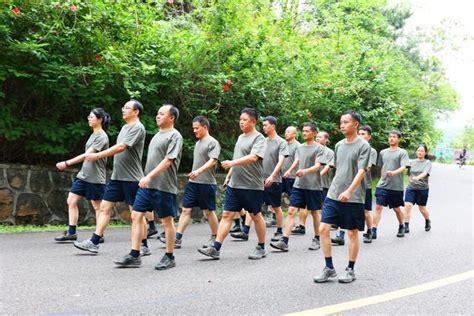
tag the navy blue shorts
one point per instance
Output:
(238, 199)
(390, 198)
(91, 191)
(200, 195)
(345, 215)
(368, 199)
(287, 184)
(308, 199)
(121, 191)
(272, 195)
(325, 193)
(419, 197)
(163, 203)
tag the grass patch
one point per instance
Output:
(48, 228)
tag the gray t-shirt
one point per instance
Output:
(290, 159)
(165, 145)
(95, 171)
(417, 167)
(204, 150)
(275, 148)
(368, 173)
(249, 176)
(348, 159)
(128, 163)
(308, 156)
(329, 158)
(391, 160)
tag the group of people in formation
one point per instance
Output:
(334, 186)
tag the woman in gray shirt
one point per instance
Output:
(418, 188)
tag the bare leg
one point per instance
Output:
(354, 244)
(325, 238)
(279, 216)
(399, 214)
(213, 222)
(184, 219)
(225, 225)
(316, 221)
(424, 211)
(170, 233)
(290, 221)
(73, 210)
(303, 216)
(408, 207)
(368, 219)
(104, 218)
(377, 215)
(260, 227)
(137, 229)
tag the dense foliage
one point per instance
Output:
(297, 60)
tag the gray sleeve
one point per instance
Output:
(380, 159)
(427, 167)
(321, 156)
(404, 159)
(330, 160)
(373, 157)
(214, 150)
(283, 149)
(174, 147)
(364, 157)
(134, 136)
(100, 143)
(258, 147)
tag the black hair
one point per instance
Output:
(366, 128)
(101, 114)
(270, 119)
(424, 147)
(355, 115)
(395, 132)
(174, 112)
(250, 112)
(137, 106)
(311, 125)
(326, 134)
(202, 120)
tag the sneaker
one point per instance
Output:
(348, 276)
(338, 241)
(367, 238)
(101, 240)
(401, 232)
(87, 245)
(276, 237)
(407, 229)
(258, 253)
(315, 245)
(144, 251)
(162, 239)
(240, 235)
(165, 263)
(270, 222)
(298, 230)
(66, 237)
(374, 234)
(210, 242)
(151, 232)
(236, 229)
(162, 235)
(325, 275)
(210, 252)
(428, 225)
(280, 245)
(128, 261)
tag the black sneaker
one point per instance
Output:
(101, 240)
(298, 230)
(210, 252)
(162, 235)
(236, 229)
(407, 229)
(367, 238)
(128, 261)
(240, 235)
(151, 232)
(338, 241)
(165, 263)
(374, 234)
(66, 237)
(401, 232)
(428, 225)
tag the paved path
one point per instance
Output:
(38, 276)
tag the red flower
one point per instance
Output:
(73, 8)
(229, 82)
(334, 132)
(16, 11)
(98, 56)
(226, 87)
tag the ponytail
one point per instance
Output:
(101, 114)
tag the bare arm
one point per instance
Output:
(292, 167)
(245, 160)
(276, 171)
(420, 176)
(396, 172)
(196, 173)
(346, 195)
(162, 166)
(325, 170)
(78, 159)
(115, 149)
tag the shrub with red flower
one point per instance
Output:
(16, 11)
(73, 8)
(334, 132)
(98, 56)
(226, 87)
(229, 82)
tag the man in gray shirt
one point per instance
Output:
(389, 191)
(158, 188)
(344, 205)
(127, 171)
(245, 188)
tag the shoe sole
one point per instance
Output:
(145, 254)
(166, 268)
(255, 258)
(324, 281)
(342, 281)
(281, 249)
(240, 238)
(337, 244)
(309, 248)
(152, 234)
(120, 265)
(297, 233)
(65, 240)
(208, 255)
(400, 236)
(86, 249)
(367, 241)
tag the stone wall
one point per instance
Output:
(37, 195)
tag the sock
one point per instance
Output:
(285, 239)
(179, 236)
(243, 217)
(374, 230)
(262, 245)
(144, 243)
(280, 230)
(407, 224)
(342, 234)
(329, 262)
(95, 239)
(214, 236)
(302, 227)
(72, 229)
(169, 255)
(151, 225)
(246, 229)
(217, 245)
(316, 236)
(134, 253)
(351, 264)
(237, 222)
(400, 226)
(274, 216)
(427, 221)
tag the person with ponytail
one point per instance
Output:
(90, 181)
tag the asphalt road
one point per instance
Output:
(39, 276)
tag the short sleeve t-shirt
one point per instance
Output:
(275, 148)
(308, 156)
(128, 163)
(205, 150)
(329, 158)
(249, 177)
(165, 145)
(391, 160)
(368, 173)
(290, 159)
(95, 171)
(418, 167)
(348, 160)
